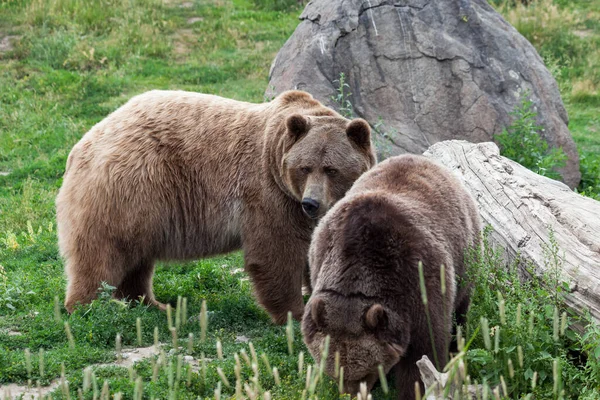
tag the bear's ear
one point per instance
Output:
(317, 311)
(359, 131)
(376, 317)
(297, 125)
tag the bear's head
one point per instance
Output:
(322, 157)
(364, 332)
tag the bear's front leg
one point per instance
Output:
(275, 261)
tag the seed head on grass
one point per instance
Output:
(57, 316)
(556, 376)
(460, 340)
(118, 346)
(245, 357)
(179, 367)
(363, 391)
(417, 391)
(497, 339)
(138, 328)
(188, 380)
(501, 308)
(238, 390)
(518, 322)
(174, 337)
(156, 338)
(530, 327)
(308, 376)
(169, 317)
(223, 377)
(563, 323)
(485, 331)
(511, 369)
(132, 374)
(95, 388)
(534, 380)
(238, 367)
(300, 363)
(190, 346)
(253, 353)
(266, 361)
(184, 310)
(218, 391)
(87, 379)
(203, 367)
(496, 393)
(155, 369)
(520, 356)
(104, 395)
(178, 313)
(422, 284)
(341, 381)
(28, 362)
(64, 385)
(69, 335)
(203, 321)
(139, 389)
(219, 350)
(503, 385)
(324, 354)
(41, 362)
(289, 330)
(336, 365)
(276, 376)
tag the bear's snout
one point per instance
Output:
(310, 207)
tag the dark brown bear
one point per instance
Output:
(364, 260)
(176, 175)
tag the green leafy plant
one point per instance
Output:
(342, 97)
(522, 142)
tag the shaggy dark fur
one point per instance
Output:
(364, 260)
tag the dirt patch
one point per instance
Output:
(183, 41)
(13, 391)
(194, 20)
(583, 33)
(6, 43)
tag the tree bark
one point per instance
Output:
(530, 215)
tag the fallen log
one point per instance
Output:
(530, 215)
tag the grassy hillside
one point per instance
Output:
(68, 63)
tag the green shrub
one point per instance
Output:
(521, 142)
(528, 330)
(590, 175)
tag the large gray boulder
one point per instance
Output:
(423, 71)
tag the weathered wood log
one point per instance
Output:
(527, 213)
(440, 386)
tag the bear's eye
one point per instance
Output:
(305, 170)
(331, 171)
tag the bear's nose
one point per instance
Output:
(310, 207)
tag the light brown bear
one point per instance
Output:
(364, 260)
(175, 175)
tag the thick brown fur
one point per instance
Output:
(364, 260)
(175, 175)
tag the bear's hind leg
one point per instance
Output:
(138, 283)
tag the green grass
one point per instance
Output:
(76, 61)
(567, 36)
